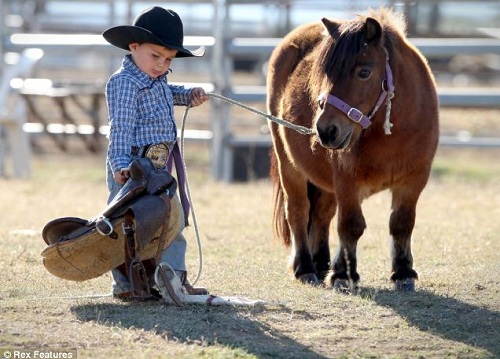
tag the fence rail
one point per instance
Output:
(448, 97)
(436, 47)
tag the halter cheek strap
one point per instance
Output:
(356, 115)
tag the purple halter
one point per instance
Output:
(356, 115)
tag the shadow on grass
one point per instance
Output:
(232, 327)
(446, 317)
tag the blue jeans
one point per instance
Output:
(174, 255)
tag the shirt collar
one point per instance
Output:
(129, 65)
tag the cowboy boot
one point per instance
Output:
(189, 288)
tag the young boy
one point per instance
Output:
(141, 112)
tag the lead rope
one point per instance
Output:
(188, 193)
(300, 129)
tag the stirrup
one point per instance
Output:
(169, 284)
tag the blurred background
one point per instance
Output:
(55, 65)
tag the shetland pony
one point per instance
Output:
(369, 97)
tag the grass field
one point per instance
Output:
(455, 312)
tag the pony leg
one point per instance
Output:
(401, 226)
(291, 210)
(323, 206)
(351, 225)
(297, 215)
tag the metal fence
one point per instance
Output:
(226, 49)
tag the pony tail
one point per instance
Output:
(279, 223)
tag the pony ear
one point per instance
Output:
(372, 30)
(330, 26)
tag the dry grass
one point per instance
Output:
(454, 313)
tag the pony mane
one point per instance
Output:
(338, 51)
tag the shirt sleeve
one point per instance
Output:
(121, 98)
(181, 94)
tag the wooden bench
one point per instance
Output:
(64, 95)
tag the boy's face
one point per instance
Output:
(154, 60)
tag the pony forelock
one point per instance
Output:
(336, 57)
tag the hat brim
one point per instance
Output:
(123, 35)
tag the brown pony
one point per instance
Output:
(369, 97)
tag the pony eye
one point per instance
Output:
(321, 104)
(364, 73)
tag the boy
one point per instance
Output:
(141, 112)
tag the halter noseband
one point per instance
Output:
(356, 115)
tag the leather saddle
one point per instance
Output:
(140, 222)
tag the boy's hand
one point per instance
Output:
(198, 96)
(122, 176)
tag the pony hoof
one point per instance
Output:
(405, 285)
(309, 278)
(344, 286)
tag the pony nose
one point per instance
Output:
(331, 135)
(327, 133)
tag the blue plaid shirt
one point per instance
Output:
(141, 111)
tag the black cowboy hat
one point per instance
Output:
(155, 25)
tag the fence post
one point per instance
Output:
(222, 84)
